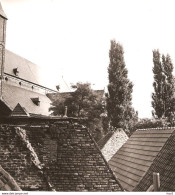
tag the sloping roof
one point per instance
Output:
(164, 164)
(134, 159)
(80, 164)
(74, 162)
(19, 111)
(111, 143)
(63, 157)
(12, 95)
(27, 70)
(104, 140)
(7, 182)
(2, 13)
(5, 110)
(64, 86)
(55, 96)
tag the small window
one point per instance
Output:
(36, 101)
(58, 87)
(15, 71)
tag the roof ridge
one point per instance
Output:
(104, 136)
(18, 55)
(158, 128)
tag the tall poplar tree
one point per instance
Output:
(158, 84)
(169, 89)
(163, 97)
(119, 97)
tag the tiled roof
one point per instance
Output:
(54, 96)
(19, 111)
(7, 183)
(112, 142)
(80, 165)
(134, 159)
(27, 70)
(63, 157)
(12, 95)
(103, 140)
(164, 164)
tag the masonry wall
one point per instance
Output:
(80, 165)
(15, 158)
(64, 157)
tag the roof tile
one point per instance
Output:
(13, 95)
(111, 143)
(134, 159)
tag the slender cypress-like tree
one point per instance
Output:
(119, 106)
(158, 84)
(169, 88)
(163, 97)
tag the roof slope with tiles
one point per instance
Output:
(136, 158)
(61, 157)
(164, 165)
(12, 95)
(80, 165)
(62, 95)
(27, 70)
(104, 140)
(112, 142)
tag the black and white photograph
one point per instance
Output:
(87, 96)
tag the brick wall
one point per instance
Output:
(80, 165)
(15, 158)
(69, 156)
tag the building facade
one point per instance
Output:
(21, 92)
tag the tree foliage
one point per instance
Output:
(119, 99)
(146, 123)
(84, 103)
(163, 100)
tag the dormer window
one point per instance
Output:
(15, 71)
(36, 101)
(58, 87)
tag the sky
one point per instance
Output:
(71, 39)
